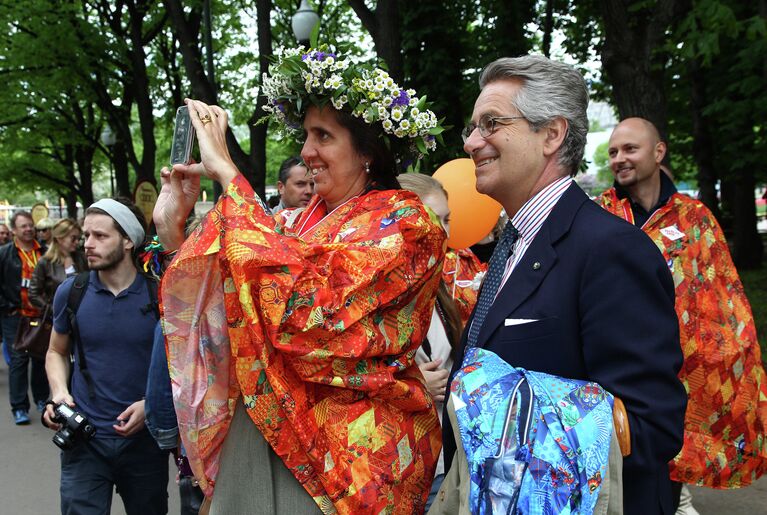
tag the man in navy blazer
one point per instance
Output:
(584, 295)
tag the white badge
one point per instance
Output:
(672, 233)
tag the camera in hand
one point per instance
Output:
(75, 427)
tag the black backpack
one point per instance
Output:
(76, 295)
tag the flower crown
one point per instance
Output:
(300, 78)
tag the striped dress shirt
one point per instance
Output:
(530, 218)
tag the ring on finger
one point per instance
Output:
(205, 119)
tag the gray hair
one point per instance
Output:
(550, 89)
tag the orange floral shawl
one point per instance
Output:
(317, 334)
(726, 419)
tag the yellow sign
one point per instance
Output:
(145, 197)
(39, 211)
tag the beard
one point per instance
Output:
(110, 261)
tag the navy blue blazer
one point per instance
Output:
(602, 299)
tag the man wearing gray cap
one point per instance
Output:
(111, 333)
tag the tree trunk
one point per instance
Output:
(121, 170)
(548, 25)
(142, 96)
(727, 198)
(187, 31)
(747, 244)
(258, 131)
(631, 61)
(383, 24)
(702, 141)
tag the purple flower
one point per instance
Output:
(318, 56)
(401, 100)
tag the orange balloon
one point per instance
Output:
(472, 214)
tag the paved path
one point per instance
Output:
(30, 467)
(29, 474)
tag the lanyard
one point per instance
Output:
(30, 259)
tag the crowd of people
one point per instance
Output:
(332, 354)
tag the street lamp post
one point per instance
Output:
(303, 23)
(109, 139)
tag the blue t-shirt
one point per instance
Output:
(117, 342)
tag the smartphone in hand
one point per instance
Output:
(183, 138)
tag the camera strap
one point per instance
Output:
(76, 294)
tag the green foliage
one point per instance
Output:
(728, 40)
(277, 150)
(755, 286)
(602, 161)
(446, 45)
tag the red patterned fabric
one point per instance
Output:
(724, 439)
(317, 334)
(463, 273)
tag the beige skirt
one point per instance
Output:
(253, 479)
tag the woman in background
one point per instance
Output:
(62, 259)
(435, 355)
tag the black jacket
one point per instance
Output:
(601, 301)
(10, 278)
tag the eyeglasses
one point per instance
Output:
(487, 125)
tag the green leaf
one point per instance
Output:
(315, 36)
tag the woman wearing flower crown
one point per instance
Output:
(305, 326)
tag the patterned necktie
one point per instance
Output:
(492, 281)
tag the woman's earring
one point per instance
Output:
(367, 167)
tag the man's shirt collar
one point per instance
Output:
(99, 287)
(533, 213)
(667, 189)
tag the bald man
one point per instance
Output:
(722, 372)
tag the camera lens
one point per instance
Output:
(62, 441)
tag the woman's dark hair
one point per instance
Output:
(286, 166)
(367, 141)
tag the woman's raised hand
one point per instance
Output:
(178, 193)
(210, 124)
(181, 185)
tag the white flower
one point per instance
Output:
(332, 82)
(404, 125)
(396, 114)
(387, 125)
